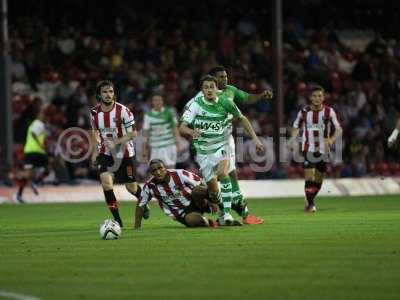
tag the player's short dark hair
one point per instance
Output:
(102, 84)
(217, 69)
(316, 88)
(208, 77)
(156, 161)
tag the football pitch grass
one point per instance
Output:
(349, 249)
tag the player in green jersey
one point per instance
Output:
(241, 97)
(209, 117)
(160, 132)
(233, 93)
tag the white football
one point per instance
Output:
(110, 230)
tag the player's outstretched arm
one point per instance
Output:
(267, 94)
(138, 216)
(393, 137)
(250, 131)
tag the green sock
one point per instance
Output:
(237, 195)
(226, 193)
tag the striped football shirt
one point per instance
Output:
(112, 125)
(174, 196)
(160, 126)
(316, 127)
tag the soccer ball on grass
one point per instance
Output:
(110, 230)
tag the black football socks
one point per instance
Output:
(113, 205)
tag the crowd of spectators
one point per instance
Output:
(59, 67)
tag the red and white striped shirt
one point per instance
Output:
(174, 196)
(316, 126)
(112, 125)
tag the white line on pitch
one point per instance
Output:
(10, 295)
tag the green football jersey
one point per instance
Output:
(230, 92)
(160, 125)
(214, 119)
(236, 95)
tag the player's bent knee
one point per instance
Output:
(222, 174)
(107, 187)
(131, 187)
(319, 176)
(106, 181)
(195, 220)
(223, 169)
(105, 176)
(214, 196)
(29, 174)
(309, 174)
(233, 174)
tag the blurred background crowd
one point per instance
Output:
(58, 58)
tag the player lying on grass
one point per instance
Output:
(181, 195)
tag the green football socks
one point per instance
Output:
(226, 193)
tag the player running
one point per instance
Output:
(113, 133)
(35, 156)
(210, 118)
(181, 195)
(160, 132)
(317, 122)
(238, 96)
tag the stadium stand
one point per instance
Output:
(57, 61)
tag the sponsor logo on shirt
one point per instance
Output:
(315, 127)
(216, 126)
(108, 130)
